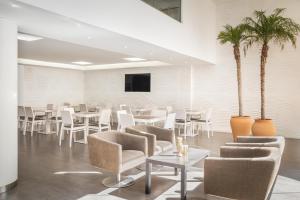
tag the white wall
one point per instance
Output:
(41, 85)
(136, 19)
(169, 86)
(216, 85)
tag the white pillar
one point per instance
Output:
(8, 105)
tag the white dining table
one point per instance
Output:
(148, 119)
(87, 116)
(194, 112)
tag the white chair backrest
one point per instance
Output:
(71, 110)
(126, 120)
(49, 107)
(59, 109)
(119, 112)
(159, 113)
(125, 107)
(66, 117)
(169, 109)
(208, 114)
(67, 104)
(21, 111)
(170, 121)
(105, 116)
(181, 114)
(29, 112)
(83, 107)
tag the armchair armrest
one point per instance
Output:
(151, 139)
(162, 134)
(105, 154)
(134, 142)
(238, 178)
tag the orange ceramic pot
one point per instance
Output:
(263, 127)
(241, 126)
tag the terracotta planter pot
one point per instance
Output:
(241, 126)
(263, 127)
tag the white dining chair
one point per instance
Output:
(69, 126)
(182, 121)
(83, 108)
(49, 107)
(33, 120)
(56, 118)
(21, 119)
(126, 107)
(206, 122)
(170, 121)
(67, 104)
(126, 120)
(103, 123)
(169, 109)
(119, 112)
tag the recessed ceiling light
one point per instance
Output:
(27, 37)
(89, 37)
(134, 59)
(15, 5)
(82, 63)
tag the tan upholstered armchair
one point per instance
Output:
(260, 141)
(242, 172)
(117, 152)
(159, 139)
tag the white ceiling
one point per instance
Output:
(67, 40)
(51, 50)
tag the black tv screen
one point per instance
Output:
(137, 82)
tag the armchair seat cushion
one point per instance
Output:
(162, 146)
(129, 155)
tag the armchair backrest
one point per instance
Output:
(260, 141)
(242, 172)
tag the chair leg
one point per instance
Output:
(71, 136)
(185, 131)
(211, 130)
(61, 135)
(32, 126)
(207, 129)
(25, 127)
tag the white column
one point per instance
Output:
(8, 105)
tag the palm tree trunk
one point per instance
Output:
(237, 56)
(263, 61)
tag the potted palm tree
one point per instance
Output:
(240, 125)
(264, 29)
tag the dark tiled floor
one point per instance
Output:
(40, 158)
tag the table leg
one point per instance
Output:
(176, 171)
(86, 121)
(148, 177)
(183, 183)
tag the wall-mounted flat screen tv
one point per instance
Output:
(137, 82)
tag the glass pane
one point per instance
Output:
(169, 7)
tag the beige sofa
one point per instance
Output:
(117, 152)
(242, 173)
(159, 139)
